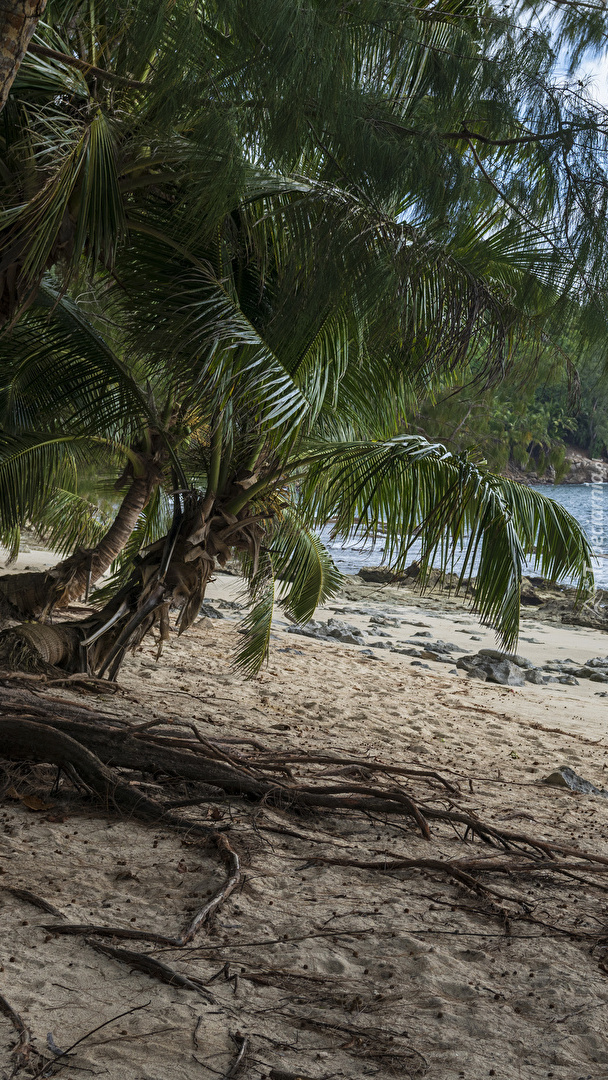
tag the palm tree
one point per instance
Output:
(290, 414)
(307, 250)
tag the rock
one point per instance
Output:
(385, 620)
(311, 629)
(344, 632)
(413, 570)
(598, 676)
(334, 628)
(566, 680)
(529, 595)
(417, 663)
(475, 637)
(422, 633)
(379, 574)
(209, 612)
(585, 470)
(439, 658)
(597, 662)
(497, 668)
(494, 654)
(535, 676)
(566, 777)
(444, 647)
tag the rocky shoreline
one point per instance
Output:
(582, 470)
(542, 599)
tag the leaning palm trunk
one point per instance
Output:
(38, 593)
(175, 571)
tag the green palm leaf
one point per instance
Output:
(406, 489)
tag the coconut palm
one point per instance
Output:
(307, 250)
(289, 390)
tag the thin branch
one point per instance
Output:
(86, 68)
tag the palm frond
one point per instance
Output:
(304, 568)
(257, 624)
(407, 490)
(32, 468)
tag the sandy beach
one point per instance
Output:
(329, 970)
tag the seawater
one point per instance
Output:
(588, 503)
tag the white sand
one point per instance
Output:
(400, 969)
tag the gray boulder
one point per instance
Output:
(209, 612)
(534, 675)
(344, 632)
(566, 777)
(334, 628)
(496, 668)
(520, 661)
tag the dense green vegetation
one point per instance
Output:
(524, 422)
(243, 247)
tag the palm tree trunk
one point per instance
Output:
(37, 593)
(18, 21)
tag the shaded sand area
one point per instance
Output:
(328, 970)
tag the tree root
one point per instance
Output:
(23, 1048)
(96, 749)
(155, 968)
(109, 755)
(240, 1059)
(31, 898)
(189, 932)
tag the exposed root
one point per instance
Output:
(23, 1048)
(241, 1056)
(155, 968)
(31, 898)
(115, 758)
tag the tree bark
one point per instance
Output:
(35, 593)
(18, 21)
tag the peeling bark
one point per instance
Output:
(18, 21)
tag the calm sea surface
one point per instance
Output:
(588, 503)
